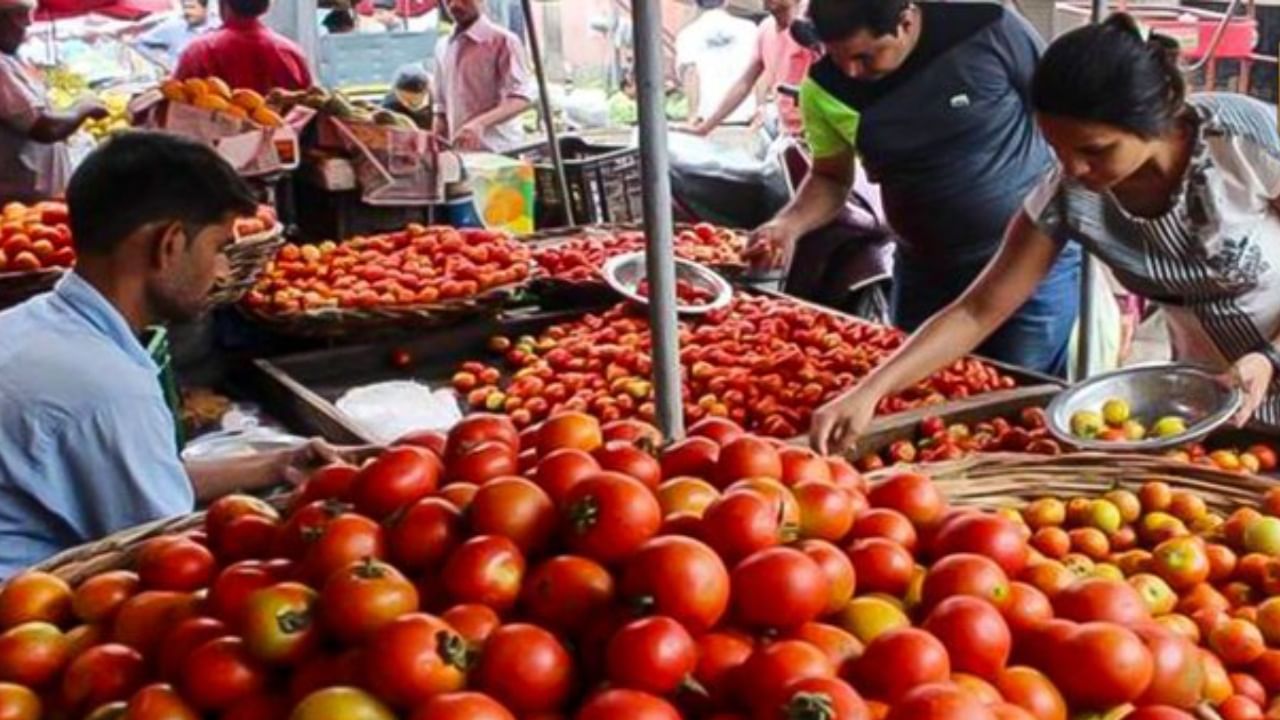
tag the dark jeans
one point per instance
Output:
(1036, 337)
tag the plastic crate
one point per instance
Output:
(156, 341)
(604, 183)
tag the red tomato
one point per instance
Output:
(801, 465)
(691, 457)
(915, 496)
(421, 537)
(459, 494)
(966, 574)
(633, 431)
(827, 511)
(398, 477)
(1120, 666)
(516, 509)
(1090, 599)
(474, 622)
(976, 637)
(1178, 677)
(762, 681)
(323, 671)
(147, 617)
(1158, 712)
(1239, 707)
(882, 566)
(344, 540)
(939, 701)
(630, 704)
(526, 669)
(331, 482)
(562, 469)
(248, 536)
(175, 563)
(718, 430)
(280, 624)
(888, 524)
(747, 457)
(1032, 691)
(220, 673)
(97, 599)
(844, 475)
(223, 513)
(569, 430)
(33, 653)
(824, 697)
(462, 706)
(563, 593)
(262, 706)
(626, 458)
(720, 654)
(655, 655)
(986, 534)
(838, 569)
(233, 586)
(482, 463)
(363, 597)
(679, 577)
(432, 440)
(1027, 608)
(183, 639)
(608, 516)
(899, 660)
(17, 702)
(101, 675)
(341, 702)
(839, 645)
(413, 658)
(487, 569)
(159, 702)
(779, 588)
(479, 428)
(741, 523)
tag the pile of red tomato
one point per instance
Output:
(764, 363)
(566, 572)
(581, 258)
(415, 266)
(35, 237)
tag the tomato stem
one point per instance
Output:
(584, 514)
(810, 706)
(293, 621)
(453, 650)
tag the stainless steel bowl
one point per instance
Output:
(624, 274)
(1198, 396)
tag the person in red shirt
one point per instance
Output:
(245, 53)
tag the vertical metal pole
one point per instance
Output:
(1088, 267)
(526, 6)
(659, 255)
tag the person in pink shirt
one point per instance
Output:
(482, 82)
(779, 60)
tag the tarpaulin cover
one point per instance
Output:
(120, 9)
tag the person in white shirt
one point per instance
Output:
(34, 160)
(712, 52)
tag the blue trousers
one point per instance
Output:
(1036, 337)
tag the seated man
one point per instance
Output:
(86, 440)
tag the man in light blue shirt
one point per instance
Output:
(86, 439)
(166, 41)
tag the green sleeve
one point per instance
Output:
(830, 126)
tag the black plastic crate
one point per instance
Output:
(604, 183)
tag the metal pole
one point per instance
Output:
(659, 255)
(1088, 266)
(526, 6)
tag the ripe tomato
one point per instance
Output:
(966, 574)
(1237, 642)
(1027, 608)
(185, 637)
(1032, 691)
(762, 681)
(515, 509)
(225, 512)
(655, 654)
(718, 430)
(899, 660)
(629, 459)
(344, 540)
(477, 429)
(1120, 666)
(747, 457)
(569, 430)
(487, 569)
(882, 566)
(687, 495)
(1239, 707)
(462, 706)
(977, 638)
(720, 654)
(915, 496)
(220, 673)
(325, 670)
(1178, 676)
(144, 619)
(280, 623)
(827, 511)
(608, 516)
(779, 588)
(692, 457)
(331, 482)
(32, 653)
(423, 535)
(305, 524)
(939, 701)
(1182, 562)
(1158, 712)
(159, 702)
(398, 477)
(563, 593)
(413, 658)
(363, 597)
(432, 440)
(681, 578)
(632, 431)
(888, 524)
(34, 596)
(459, 494)
(526, 669)
(741, 523)
(986, 534)
(98, 598)
(562, 469)
(1101, 599)
(262, 706)
(801, 465)
(824, 697)
(838, 569)
(623, 703)
(102, 674)
(175, 563)
(231, 589)
(17, 702)
(341, 702)
(840, 646)
(482, 463)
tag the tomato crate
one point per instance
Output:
(604, 183)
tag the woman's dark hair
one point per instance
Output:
(836, 20)
(1112, 74)
(137, 178)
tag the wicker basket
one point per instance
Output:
(247, 257)
(17, 287)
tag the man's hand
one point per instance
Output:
(1252, 374)
(769, 246)
(469, 137)
(297, 464)
(836, 426)
(92, 109)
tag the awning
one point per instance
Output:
(118, 9)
